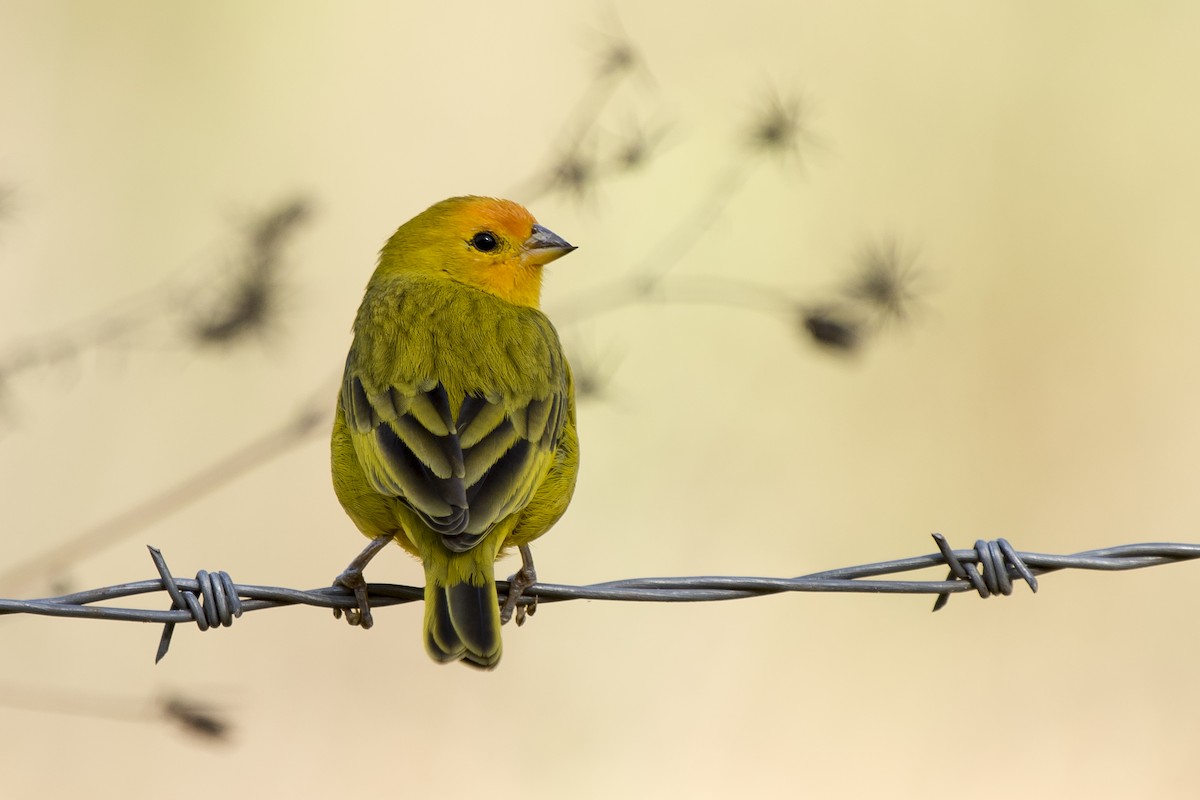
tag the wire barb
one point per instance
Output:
(216, 607)
(995, 559)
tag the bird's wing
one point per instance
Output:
(461, 475)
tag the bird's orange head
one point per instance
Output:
(492, 245)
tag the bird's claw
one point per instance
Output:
(359, 616)
(518, 584)
(525, 610)
(352, 579)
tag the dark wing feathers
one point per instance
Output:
(484, 421)
(471, 406)
(481, 455)
(390, 404)
(460, 475)
(359, 413)
(501, 487)
(431, 407)
(439, 500)
(440, 452)
(544, 421)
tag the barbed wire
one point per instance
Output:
(990, 568)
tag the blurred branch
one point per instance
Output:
(990, 568)
(246, 308)
(312, 417)
(884, 281)
(575, 166)
(251, 301)
(716, 290)
(191, 716)
(782, 126)
(778, 129)
(97, 330)
(880, 292)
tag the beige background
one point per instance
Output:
(1043, 162)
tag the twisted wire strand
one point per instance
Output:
(212, 599)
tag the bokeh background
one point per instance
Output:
(1033, 170)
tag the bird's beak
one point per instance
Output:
(543, 247)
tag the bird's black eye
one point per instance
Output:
(485, 241)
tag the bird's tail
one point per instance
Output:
(462, 617)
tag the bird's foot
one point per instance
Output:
(355, 582)
(352, 578)
(518, 584)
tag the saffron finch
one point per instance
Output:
(455, 427)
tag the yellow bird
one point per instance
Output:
(455, 427)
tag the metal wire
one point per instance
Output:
(990, 568)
